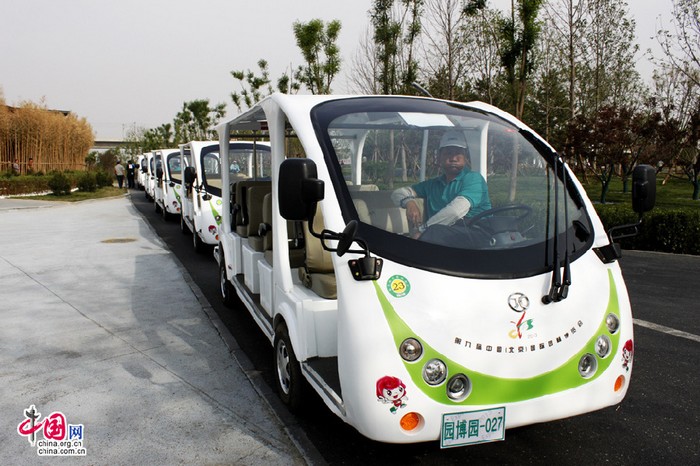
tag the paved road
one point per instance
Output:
(658, 423)
(100, 323)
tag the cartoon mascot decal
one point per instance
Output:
(627, 354)
(392, 390)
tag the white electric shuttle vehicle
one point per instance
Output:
(141, 172)
(202, 203)
(425, 331)
(150, 186)
(168, 201)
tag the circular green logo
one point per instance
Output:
(398, 286)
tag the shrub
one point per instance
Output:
(87, 182)
(103, 179)
(670, 230)
(13, 185)
(59, 184)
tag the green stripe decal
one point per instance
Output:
(491, 390)
(217, 217)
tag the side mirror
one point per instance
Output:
(190, 175)
(299, 189)
(643, 200)
(643, 188)
(159, 173)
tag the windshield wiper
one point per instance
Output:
(559, 289)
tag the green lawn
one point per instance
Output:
(676, 194)
(75, 196)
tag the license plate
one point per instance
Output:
(459, 429)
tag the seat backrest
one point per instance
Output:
(240, 214)
(376, 208)
(296, 252)
(317, 273)
(254, 199)
(267, 221)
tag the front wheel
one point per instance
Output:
(289, 381)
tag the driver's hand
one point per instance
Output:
(413, 214)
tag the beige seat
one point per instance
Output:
(254, 199)
(296, 253)
(377, 209)
(240, 215)
(317, 273)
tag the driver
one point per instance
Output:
(459, 192)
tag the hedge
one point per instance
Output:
(11, 185)
(669, 230)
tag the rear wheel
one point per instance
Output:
(289, 381)
(227, 290)
(165, 214)
(158, 209)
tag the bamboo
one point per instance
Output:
(55, 141)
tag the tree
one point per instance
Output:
(682, 49)
(318, 45)
(607, 140)
(483, 48)
(195, 121)
(677, 90)
(397, 27)
(253, 87)
(444, 51)
(520, 33)
(607, 70)
(365, 67)
(566, 20)
(108, 159)
(547, 107)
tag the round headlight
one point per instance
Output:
(613, 323)
(458, 387)
(411, 349)
(587, 365)
(602, 346)
(434, 372)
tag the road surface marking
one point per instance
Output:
(668, 330)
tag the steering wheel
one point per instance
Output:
(502, 223)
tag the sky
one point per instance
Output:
(127, 63)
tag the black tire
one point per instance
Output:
(197, 243)
(183, 225)
(226, 288)
(289, 380)
(158, 209)
(165, 214)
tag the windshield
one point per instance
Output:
(158, 163)
(441, 186)
(174, 167)
(246, 161)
